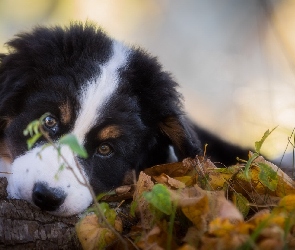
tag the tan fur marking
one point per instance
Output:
(4, 152)
(6, 121)
(111, 131)
(174, 130)
(65, 111)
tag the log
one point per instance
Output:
(23, 226)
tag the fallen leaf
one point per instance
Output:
(159, 197)
(241, 203)
(223, 208)
(142, 209)
(171, 169)
(187, 247)
(286, 204)
(156, 238)
(93, 235)
(123, 189)
(197, 212)
(271, 238)
(187, 180)
(167, 180)
(192, 237)
(228, 242)
(285, 185)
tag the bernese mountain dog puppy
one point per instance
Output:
(117, 101)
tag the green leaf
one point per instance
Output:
(133, 207)
(71, 141)
(100, 196)
(259, 144)
(241, 203)
(32, 128)
(268, 176)
(159, 197)
(109, 213)
(31, 141)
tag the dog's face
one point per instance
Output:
(116, 100)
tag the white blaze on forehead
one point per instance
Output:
(97, 92)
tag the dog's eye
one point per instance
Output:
(104, 149)
(50, 123)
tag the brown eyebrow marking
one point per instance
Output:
(112, 131)
(5, 153)
(66, 111)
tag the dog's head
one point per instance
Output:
(118, 102)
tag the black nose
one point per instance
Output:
(47, 198)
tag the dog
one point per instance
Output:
(117, 101)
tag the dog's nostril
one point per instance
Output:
(47, 198)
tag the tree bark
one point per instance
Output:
(22, 226)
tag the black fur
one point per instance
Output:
(47, 68)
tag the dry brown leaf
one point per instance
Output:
(172, 169)
(256, 218)
(228, 242)
(93, 235)
(201, 206)
(123, 189)
(153, 238)
(271, 238)
(285, 184)
(156, 238)
(210, 177)
(263, 201)
(168, 181)
(187, 247)
(224, 208)
(193, 236)
(291, 241)
(143, 210)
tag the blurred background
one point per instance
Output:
(234, 59)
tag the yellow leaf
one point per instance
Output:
(220, 227)
(197, 211)
(193, 203)
(187, 180)
(288, 203)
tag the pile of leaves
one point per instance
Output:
(195, 205)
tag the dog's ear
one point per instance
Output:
(10, 91)
(182, 136)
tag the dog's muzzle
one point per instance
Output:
(47, 198)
